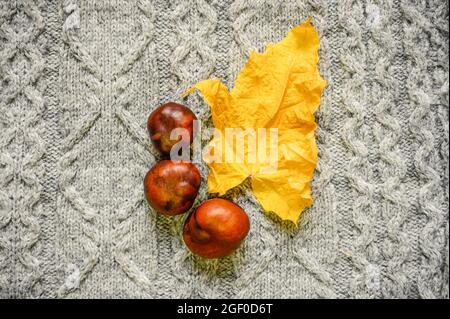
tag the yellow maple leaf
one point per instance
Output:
(280, 89)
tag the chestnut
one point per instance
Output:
(172, 186)
(164, 119)
(216, 228)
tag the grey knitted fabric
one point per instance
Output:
(79, 78)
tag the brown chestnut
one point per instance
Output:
(164, 119)
(172, 186)
(216, 228)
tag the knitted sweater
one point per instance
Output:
(79, 78)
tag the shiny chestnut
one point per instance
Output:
(172, 186)
(164, 119)
(216, 228)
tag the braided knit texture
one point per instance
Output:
(78, 79)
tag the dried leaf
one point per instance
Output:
(281, 89)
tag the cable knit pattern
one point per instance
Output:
(78, 79)
(386, 86)
(430, 201)
(22, 147)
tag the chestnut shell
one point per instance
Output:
(172, 186)
(216, 228)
